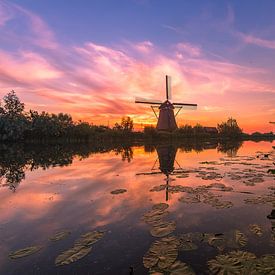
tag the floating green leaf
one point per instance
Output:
(180, 268)
(218, 242)
(234, 262)
(240, 238)
(162, 253)
(154, 216)
(193, 199)
(160, 206)
(80, 249)
(118, 191)
(256, 229)
(24, 252)
(75, 253)
(266, 264)
(60, 236)
(163, 229)
(89, 238)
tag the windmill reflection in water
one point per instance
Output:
(166, 158)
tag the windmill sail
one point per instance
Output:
(168, 88)
(186, 106)
(147, 101)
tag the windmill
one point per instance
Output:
(167, 117)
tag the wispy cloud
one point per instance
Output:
(188, 48)
(178, 30)
(41, 35)
(251, 39)
(99, 82)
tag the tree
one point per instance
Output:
(13, 123)
(12, 105)
(126, 125)
(230, 128)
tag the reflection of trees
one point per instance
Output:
(126, 152)
(197, 146)
(230, 147)
(16, 159)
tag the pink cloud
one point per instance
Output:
(37, 31)
(250, 39)
(5, 14)
(144, 47)
(188, 48)
(99, 83)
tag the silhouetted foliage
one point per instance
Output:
(18, 125)
(126, 125)
(13, 122)
(230, 128)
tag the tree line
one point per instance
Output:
(17, 124)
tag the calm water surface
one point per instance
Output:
(47, 191)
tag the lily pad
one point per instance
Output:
(162, 253)
(218, 242)
(193, 199)
(266, 264)
(232, 263)
(163, 229)
(225, 264)
(154, 216)
(24, 252)
(180, 268)
(60, 236)
(160, 206)
(240, 238)
(158, 188)
(256, 229)
(118, 191)
(75, 253)
(80, 249)
(89, 238)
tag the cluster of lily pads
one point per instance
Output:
(199, 194)
(81, 248)
(233, 239)
(242, 262)
(262, 199)
(161, 258)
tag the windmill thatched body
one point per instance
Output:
(166, 117)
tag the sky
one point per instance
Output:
(92, 58)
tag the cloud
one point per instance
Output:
(97, 82)
(28, 27)
(189, 49)
(253, 40)
(144, 47)
(5, 14)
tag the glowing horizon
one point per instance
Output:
(94, 67)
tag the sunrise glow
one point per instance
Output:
(92, 66)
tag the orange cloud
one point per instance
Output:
(98, 83)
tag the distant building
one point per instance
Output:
(210, 130)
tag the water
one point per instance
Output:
(45, 190)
